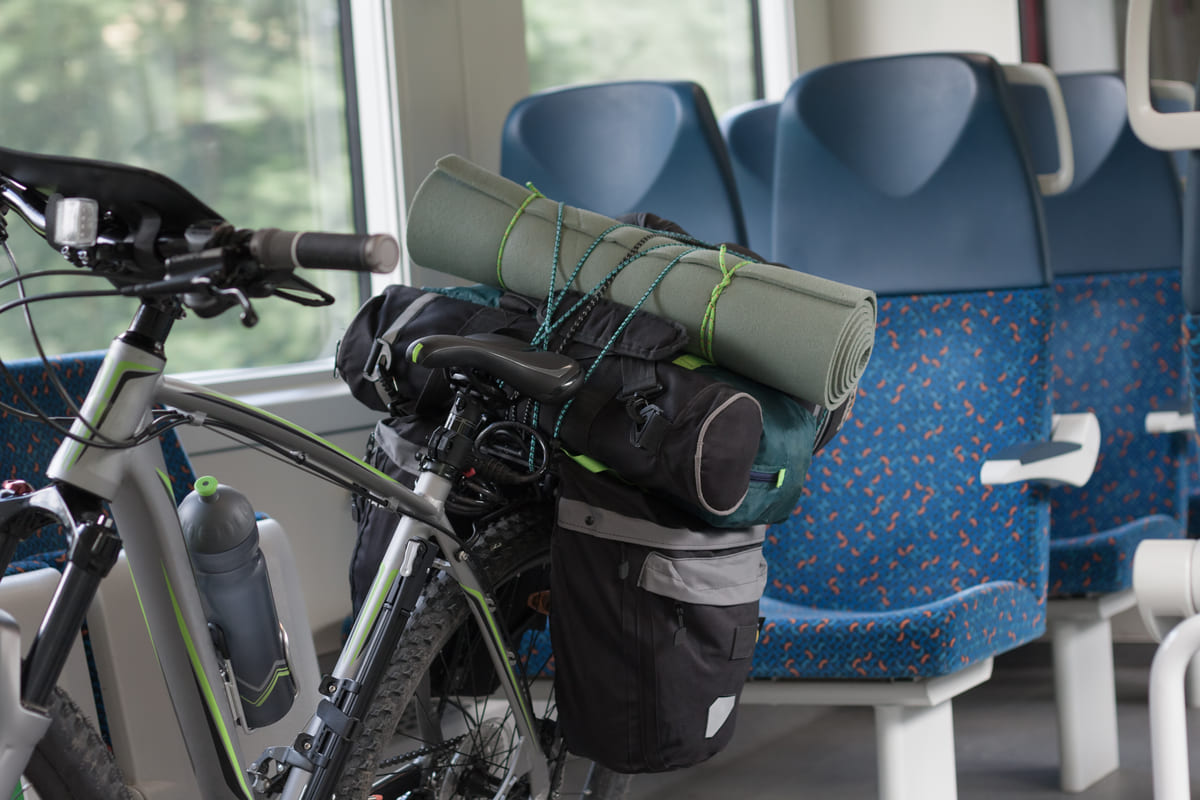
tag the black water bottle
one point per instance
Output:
(222, 536)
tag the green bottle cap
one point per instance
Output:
(206, 486)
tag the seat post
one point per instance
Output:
(916, 752)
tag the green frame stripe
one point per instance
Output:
(209, 699)
(498, 639)
(368, 614)
(122, 367)
(142, 608)
(211, 395)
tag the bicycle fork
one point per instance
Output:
(26, 686)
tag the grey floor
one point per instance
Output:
(1006, 745)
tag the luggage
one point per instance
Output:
(653, 623)
(648, 412)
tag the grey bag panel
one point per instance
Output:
(727, 580)
(401, 451)
(575, 515)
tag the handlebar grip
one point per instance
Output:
(276, 249)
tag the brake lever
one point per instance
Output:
(249, 316)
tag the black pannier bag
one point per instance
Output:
(665, 427)
(392, 449)
(653, 623)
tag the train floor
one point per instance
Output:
(1005, 732)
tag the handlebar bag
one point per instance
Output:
(653, 624)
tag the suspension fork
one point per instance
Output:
(26, 686)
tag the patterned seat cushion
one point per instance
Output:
(895, 541)
(1103, 562)
(1118, 353)
(29, 445)
(935, 638)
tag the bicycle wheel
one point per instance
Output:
(71, 762)
(438, 727)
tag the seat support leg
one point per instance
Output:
(916, 752)
(1085, 692)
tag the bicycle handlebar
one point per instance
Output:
(276, 249)
(151, 237)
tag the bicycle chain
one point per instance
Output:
(421, 752)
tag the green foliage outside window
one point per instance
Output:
(706, 41)
(240, 101)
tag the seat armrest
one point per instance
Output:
(1069, 456)
(1179, 420)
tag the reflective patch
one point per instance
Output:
(718, 713)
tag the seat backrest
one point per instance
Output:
(894, 515)
(626, 147)
(29, 445)
(749, 132)
(1115, 245)
(904, 139)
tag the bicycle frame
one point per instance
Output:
(119, 404)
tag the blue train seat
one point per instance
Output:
(900, 576)
(29, 446)
(749, 132)
(1117, 351)
(627, 147)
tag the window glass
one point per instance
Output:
(710, 42)
(243, 103)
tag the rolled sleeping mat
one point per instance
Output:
(797, 333)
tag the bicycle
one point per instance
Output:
(437, 596)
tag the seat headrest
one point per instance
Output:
(1122, 211)
(624, 147)
(906, 174)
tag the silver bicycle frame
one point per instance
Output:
(134, 480)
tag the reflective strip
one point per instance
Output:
(575, 515)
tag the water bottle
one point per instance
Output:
(222, 537)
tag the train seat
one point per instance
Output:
(626, 147)
(901, 575)
(749, 132)
(1114, 238)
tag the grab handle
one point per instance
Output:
(1041, 75)
(1179, 130)
(1179, 94)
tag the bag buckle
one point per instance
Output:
(378, 370)
(649, 424)
(379, 360)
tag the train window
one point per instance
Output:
(711, 42)
(242, 103)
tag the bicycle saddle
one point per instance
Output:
(544, 376)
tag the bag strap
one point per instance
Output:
(378, 368)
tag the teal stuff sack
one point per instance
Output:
(789, 435)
